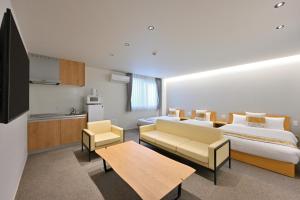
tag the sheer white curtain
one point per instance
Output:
(144, 93)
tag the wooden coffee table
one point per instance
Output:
(149, 173)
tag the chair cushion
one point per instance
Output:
(106, 138)
(99, 126)
(195, 150)
(169, 141)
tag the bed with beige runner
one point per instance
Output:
(174, 114)
(201, 118)
(269, 144)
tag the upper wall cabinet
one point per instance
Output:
(72, 73)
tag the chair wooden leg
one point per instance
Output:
(215, 177)
(89, 156)
(81, 140)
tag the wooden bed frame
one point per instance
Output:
(280, 167)
(213, 115)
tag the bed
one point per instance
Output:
(271, 149)
(152, 120)
(208, 122)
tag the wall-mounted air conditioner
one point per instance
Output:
(119, 78)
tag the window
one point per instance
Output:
(144, 93)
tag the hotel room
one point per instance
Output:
(142, 99)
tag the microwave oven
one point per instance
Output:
(91, 99)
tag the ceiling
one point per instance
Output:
(189, 35)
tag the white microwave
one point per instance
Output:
(91, 99)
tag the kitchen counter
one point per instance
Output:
(54, 116)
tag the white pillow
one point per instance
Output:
(177, 113)
(275, 123)
(207, 115)
(173, 110)
(258, 124)
(258, 115)
(201, 111)
(239, 119)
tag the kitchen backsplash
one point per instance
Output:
(55, 99)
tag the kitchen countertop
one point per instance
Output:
(54, 116)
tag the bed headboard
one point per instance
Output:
(286, 125)
(181, 113)
(213, 115)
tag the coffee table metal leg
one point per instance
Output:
(104, 164)
(178, 191)
(105, 167)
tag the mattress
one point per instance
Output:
(152, 120)
(198, 122)
(262, 149)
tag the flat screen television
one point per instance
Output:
(14, 71)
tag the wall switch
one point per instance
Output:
(295, 123)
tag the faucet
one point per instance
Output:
(73, 111)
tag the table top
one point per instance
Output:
(149, 173)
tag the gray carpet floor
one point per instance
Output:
(66, 174)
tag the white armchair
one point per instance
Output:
(100, 134)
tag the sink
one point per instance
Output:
(53, 116)
(47, 115)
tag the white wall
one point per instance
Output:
(47, 99)
(273, 90)
(13, 146)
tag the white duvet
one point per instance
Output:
(267, 150)
(198, 122)
(261, 132)
(152, 120)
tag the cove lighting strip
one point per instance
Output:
(238, 68)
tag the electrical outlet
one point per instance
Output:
(295, 123)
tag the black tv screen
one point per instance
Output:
(14, 71)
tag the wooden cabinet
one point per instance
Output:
(70, 131)
(43, 134)
(52, 133)
(72, 73)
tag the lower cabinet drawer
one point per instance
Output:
(71, 130)
(43, 134)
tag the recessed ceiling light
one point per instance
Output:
(111, 54)
(279, 4)
(280, 27)
(126, 44)
(151, 28)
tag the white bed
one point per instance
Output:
(263, 149)
(198, 122)
(152, 120)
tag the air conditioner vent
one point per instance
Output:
(119, 78)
